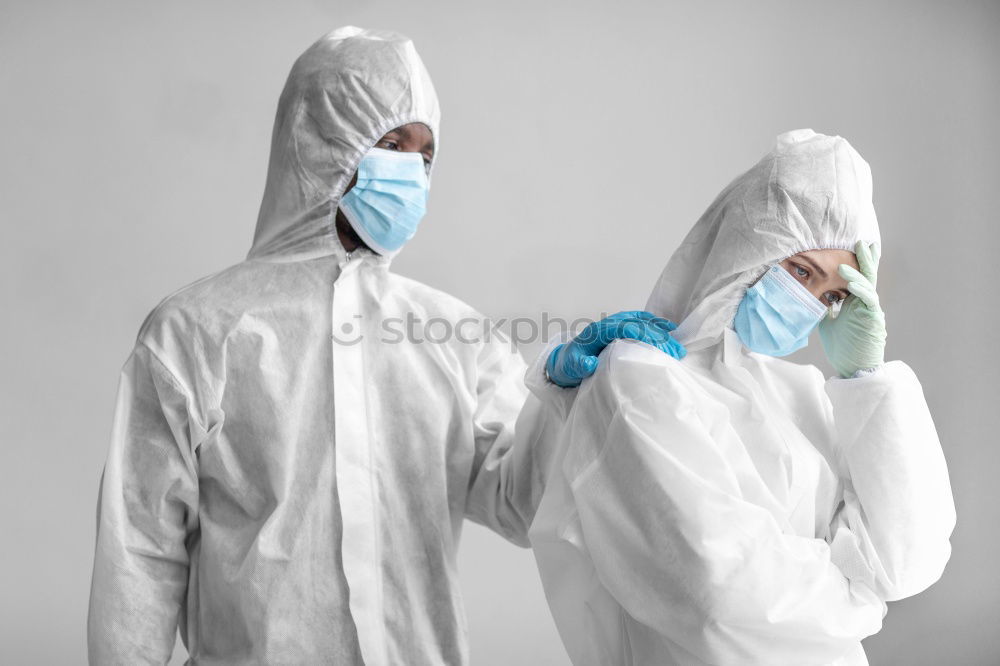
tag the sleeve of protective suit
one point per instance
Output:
(894, 525)
(509, 482)
(668, 519)
(147, 507)
(501, 487)
(556, 399)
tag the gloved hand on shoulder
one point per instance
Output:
(570, 363)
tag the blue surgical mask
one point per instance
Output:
(389, 199)
(777, 314)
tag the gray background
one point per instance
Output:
(580, 141)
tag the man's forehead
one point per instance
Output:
(408, 132)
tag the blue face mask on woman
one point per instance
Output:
(389, 199)
(777, 314)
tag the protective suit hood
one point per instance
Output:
(342, 95)
(809, 192)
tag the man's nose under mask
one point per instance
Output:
(777, 314)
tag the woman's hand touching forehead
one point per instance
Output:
(817, 271)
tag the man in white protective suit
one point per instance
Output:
(288, 475)
(733, 507)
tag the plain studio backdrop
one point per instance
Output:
(580, 141)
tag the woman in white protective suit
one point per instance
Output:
(733, 507)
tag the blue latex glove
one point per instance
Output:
(570, 363)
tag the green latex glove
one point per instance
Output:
(855, 339)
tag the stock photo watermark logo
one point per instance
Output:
(415, 330)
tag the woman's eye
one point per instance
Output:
(801, 272)
(390, 145)
(831, 297)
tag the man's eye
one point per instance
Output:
(832, 297)
(390, 145)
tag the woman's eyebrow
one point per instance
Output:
(814, 266)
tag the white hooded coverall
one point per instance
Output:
(286, 478)
(735, 508)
